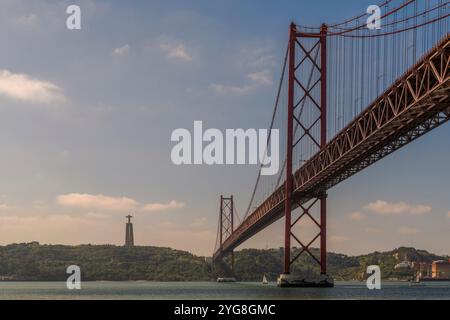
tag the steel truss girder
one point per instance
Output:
(416, 97)
(414, 105)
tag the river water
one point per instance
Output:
(218, 291)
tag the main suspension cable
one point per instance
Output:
(280, 85)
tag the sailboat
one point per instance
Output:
(264, 280)
(416, 282)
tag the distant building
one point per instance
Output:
(404, 265)
(440, 269)
(129, 237)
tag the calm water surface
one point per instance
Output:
(212, 290)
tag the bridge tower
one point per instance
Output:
(299, 55)
(226, 228)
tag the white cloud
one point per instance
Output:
(175, 50)
(257, 57)
(408, 231)
(356, 216)
(386, 208)
(225, 89)
(4, 206)
(27, 19)
(256, 80)
(24, 88)
(98, 202)
(108, 203)
(261, 78)
(155, 207)
(121, 51)
(258, 62)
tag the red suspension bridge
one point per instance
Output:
(348, 96)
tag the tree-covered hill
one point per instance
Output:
(32, 261)
(252, 263)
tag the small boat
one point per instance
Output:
(264, 280)
(415, 282)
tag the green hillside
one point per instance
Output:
(32, 261)
(251, 263)
(100, 262)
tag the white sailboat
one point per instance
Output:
(416, 282)
(264, 280)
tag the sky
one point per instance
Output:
(86, 118)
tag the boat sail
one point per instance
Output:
(264, 280)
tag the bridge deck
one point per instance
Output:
(415, 104)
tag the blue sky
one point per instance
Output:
(86, 137)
